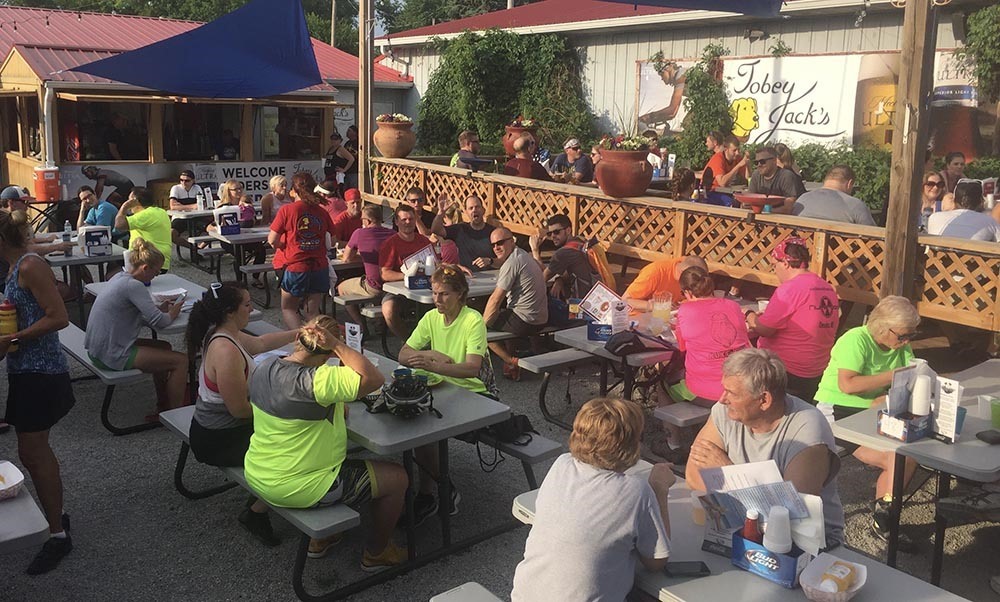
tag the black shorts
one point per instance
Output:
(355, 485)
(507, 321)
(36, 402)
(220, 447)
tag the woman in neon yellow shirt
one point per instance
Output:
(452, 344)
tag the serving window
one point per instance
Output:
(103, 131)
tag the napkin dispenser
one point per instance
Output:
(95, 240)
(227, 218)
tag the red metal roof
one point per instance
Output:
(55, 40)
(547, 12)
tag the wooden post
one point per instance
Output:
(366, 85)
(247, 112)
(909, 145)
(680, 231)
(155, 128)
(820, 252)
(333, 22)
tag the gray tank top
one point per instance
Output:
(210, 410)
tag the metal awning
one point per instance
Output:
(160, 99)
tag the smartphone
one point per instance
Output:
(991, 437)
(687, 569)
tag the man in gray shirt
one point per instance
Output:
(775, 181)
(833, 201)
(521, 283)
(755, 421)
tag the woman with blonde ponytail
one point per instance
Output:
(39, 392)
(113, 341)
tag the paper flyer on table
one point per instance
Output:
(599, 302)
(949, 392)
(418, 258)
(728, 509)
(740, 476)
(353, 336)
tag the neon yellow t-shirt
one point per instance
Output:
(466, 335)
(299, 436)
(152, 224)
(857, 351)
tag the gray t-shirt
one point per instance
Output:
(784, 183)
(116, 317)
(521, 277)
(471, 243)
(964, 223)
(833, 205)
(801, 427)
(590, 526)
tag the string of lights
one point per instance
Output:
(12, 24)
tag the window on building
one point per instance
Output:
(33, 128)
(11, 141)
(199, 132)
(288, 133)
(103, 131)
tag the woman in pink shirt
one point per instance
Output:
(800, 321)
(708, 329)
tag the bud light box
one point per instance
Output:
(598, 332)
(783, 569)
(418, 282)
(96, 241)
(228, 220)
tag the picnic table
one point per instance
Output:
(22, 524)
(481, 284)
(193, 217)
(728, 582)
(76, 263)
(246, 236)
(969, 458)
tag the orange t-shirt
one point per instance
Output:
(654, 278)
(720, 167)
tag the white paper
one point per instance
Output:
(353, 335)
(949, 392)
(740, 476)
(417, 259)
(599, 303)
(168, 295)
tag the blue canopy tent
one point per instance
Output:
(224, 58)
(754, 8)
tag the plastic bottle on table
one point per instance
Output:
(8, 321)
(751, 527)
(67, 236)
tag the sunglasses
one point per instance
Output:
(554, 232)
(186, 180)
(762, 161)
(934, 184)
(906, 336)
(501, 242)
(576, 148)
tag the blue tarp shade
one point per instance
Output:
(261, 49)
(754, 8)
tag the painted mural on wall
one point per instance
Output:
(799, 99)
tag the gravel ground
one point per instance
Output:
(136, 538)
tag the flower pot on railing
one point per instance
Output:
(624, 173)
(513, 133)
(394, 139)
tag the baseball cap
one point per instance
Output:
(352, 194)
(14, 193)
(571, 143)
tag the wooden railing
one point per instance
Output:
(957, 279)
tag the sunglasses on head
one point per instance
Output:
(762, 161)
(501, 242)
(216, 286)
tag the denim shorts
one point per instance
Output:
(301, 284)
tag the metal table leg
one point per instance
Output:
(940, 524)
(896, 508)
(444, 493)
(411, 540)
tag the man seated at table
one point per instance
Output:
(572, 165)
(416, 198)
(569, 268)
(727, 164)
(468, 149)
(523, 164)
(521, 284)
(966, 219)
(364, 244)
(144, 219)
(755, 420)
(94, 212)
(472, 237)
(347, 222)
(592, 521)
(660, 277)
(833, 201)
(397, 248)
(775, 181)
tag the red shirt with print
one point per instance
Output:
(395, 250)
(302, 228)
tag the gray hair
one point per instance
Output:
(760, 371)
(892, 312)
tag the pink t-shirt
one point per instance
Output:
(709, 330)
(804, 310)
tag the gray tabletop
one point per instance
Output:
(728, 582)
(982, 379)
(22, 524)
(59, 259)
(461, 410)
(577, 338)
(970, 458)
(481, 284)
(246, 235)
(191, 213)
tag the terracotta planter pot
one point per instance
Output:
(624, 173)
(394, 140)
(513, 134)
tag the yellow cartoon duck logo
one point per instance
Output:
(745, 119)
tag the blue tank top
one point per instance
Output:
(43, 355)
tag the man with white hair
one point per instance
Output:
(755, 420)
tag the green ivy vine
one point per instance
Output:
(706, 100)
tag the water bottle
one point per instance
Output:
(8, 321)
(200, 200)
(67, 237)
(430, 264)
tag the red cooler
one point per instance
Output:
(46, 180)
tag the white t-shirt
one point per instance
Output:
(964, 223)
(590, 524)
(185, 197)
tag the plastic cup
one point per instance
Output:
(995, 412)
(984, 406)
(762, 305)
(719, 294)
(697, 510)
(778, 534)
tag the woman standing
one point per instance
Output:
(223, 419)
(954, 170)
(39, 392)
(113, 341)
(275, 199)
(351, 144)
(298, 235)
(298, 452)
(231, 195)
(338, 159)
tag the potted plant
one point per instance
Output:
(515, 129)
(394, 136)
(623, 170)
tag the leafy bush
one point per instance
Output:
(983, 167)
(485, 81)
(706, 100)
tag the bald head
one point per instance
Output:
(689, 261)
(523, 146)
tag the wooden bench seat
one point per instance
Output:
(72, 340)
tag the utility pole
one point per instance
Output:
(366, 86)
(333, 22)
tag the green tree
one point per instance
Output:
(980, 56)
(706, 100)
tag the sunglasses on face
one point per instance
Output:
(934, 184)
(554, 232)
(501, 242)
(906, 336)
(762, 161)
(186, 180)
(576, 148)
